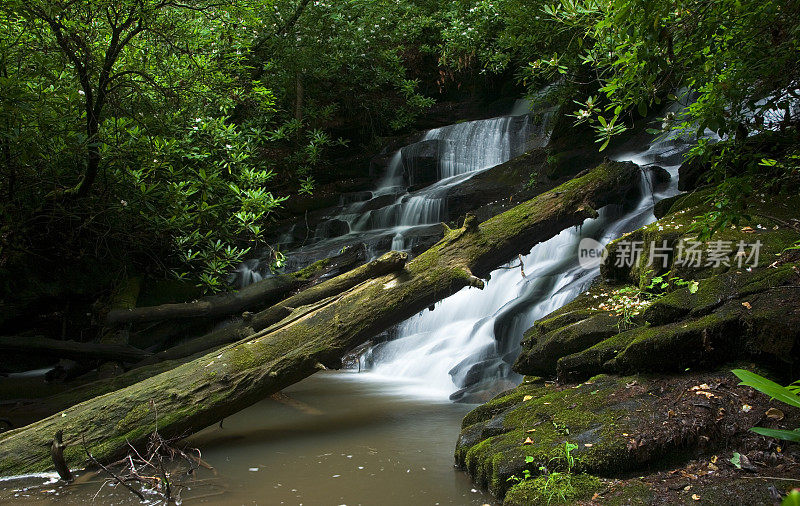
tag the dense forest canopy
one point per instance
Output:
(165, 136)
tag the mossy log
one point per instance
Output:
(72, 349)
(30, 411)
(203, 391)
(263, 293)
(263, 319)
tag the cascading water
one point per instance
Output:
(465, 347)
(411, 196)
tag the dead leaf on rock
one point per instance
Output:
(695, 497)
(527, 398)
(747, 305)
(746, 408)
(528, 441)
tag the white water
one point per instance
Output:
(393, 215)
(462, 150)
(471, 338)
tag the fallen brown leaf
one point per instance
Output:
(775, 414)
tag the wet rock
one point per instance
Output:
(421, 162)
(481, 392)
(332, 228)
(543, 349)
(485, 369)
(353, 197)
(660, 176)
(378, 203)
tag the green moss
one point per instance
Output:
(629, 493)
(307, 272)
(575, 487)
(535, 421)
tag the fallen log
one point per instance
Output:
(263, 293)
(72, 349)
(28, 412)
(202, 392)
(255, 322)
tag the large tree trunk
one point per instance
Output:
(263, 293)
(200, 393)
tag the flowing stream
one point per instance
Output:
(386, 435)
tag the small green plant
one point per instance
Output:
(630, 301)
(788, 395)
(526, 473)
(533, 180)
(552, 484)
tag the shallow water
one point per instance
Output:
(338, 438)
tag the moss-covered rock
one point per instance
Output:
(767, 226)
(730, 316)
(728, 312)
(536, 420)
(616, 424)
(543, 349)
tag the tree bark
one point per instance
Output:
(72, 349)
(203, 391)
(263, 293)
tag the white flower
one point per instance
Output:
(124, 203)
(81, 92)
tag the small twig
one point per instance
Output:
(109, 471)
(769, 478)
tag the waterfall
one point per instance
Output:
(412, 194)
(465, 346)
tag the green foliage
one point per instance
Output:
(788, 395)
(157, 135)
(737, 169)
(628, 302)
(644, 50)
(792, 498)
(552, 484)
